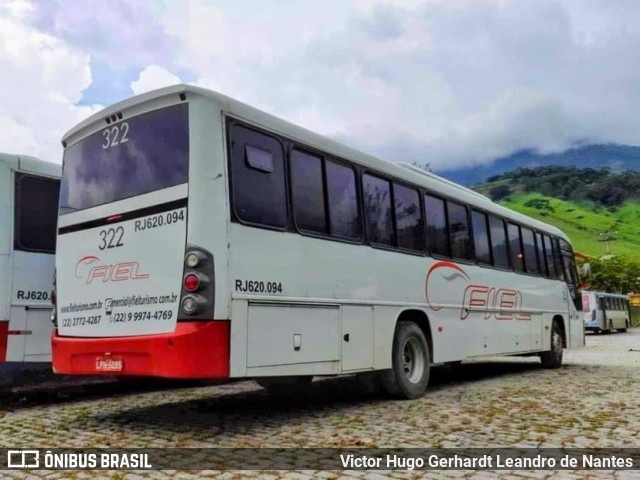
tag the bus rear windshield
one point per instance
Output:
(137, 155)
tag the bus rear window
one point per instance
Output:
(137, 155)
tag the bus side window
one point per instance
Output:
(481, 242)
(342, 199)
(515, 247)
(409, 222)
(530, 251)
(377, 210)
(258, 179)
(437, 232)
(459, 231)
(36, 213)
(560, 266)
(307, 191)
(544, 267)
(498, 237)
(548, 249)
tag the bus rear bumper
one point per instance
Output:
(193, 350)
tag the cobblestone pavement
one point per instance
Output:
(592, 401)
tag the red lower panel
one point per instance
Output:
(193, 350)
(4, 338)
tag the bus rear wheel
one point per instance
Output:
(410, 363)
(626, 325)
(610, 329)
(553, 358)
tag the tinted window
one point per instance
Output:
(548, 249)
(437, 233)
(498, 242)
(481, 237)
(515, 247)
(570, 271)
(307, 188)
(558, 258)
(36, 213)
(258, 195)
(408, 218)
(459, 231)
(344, 219)
(541, 255)
(377, 208)
(137, 155)
(530, 251)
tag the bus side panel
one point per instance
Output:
(6, 228)
(208, 195)
(32, 283)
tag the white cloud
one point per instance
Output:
(434, 81)
(443, 82)
(153, 77)
(42, 81)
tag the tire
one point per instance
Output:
(410, 363)
(283, 386)
(610, 329)
(553, 358)
(626, 325)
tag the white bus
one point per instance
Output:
(29, 190)
(604, 312)
(199, 237)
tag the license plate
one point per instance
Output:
(112, 363)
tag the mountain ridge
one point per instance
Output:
(617, 157)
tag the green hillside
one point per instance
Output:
(590, 206)
(586, 226)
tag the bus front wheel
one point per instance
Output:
(410, 363)
(553, 358)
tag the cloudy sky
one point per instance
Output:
(446, 82)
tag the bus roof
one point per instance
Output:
(401, 171)
(605, 294)
(26, 163)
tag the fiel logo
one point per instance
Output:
(23, 459)
(116, 272)
(493, 302)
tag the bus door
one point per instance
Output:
(575, 325)
(32, 265)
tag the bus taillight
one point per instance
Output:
(191, 282)
(197, 284)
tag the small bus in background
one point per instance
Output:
(29, 190)
(605, 312)
(199, 237)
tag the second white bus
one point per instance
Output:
(29, 190)
(605, 312)
(201, 238)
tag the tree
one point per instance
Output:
(613, 275)
(499, 192)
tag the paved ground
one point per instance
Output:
(593, 401)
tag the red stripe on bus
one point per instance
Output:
(193, 350)
(4, 332)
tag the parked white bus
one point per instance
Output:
(604, 312)
(29, 190)
(199, 237)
